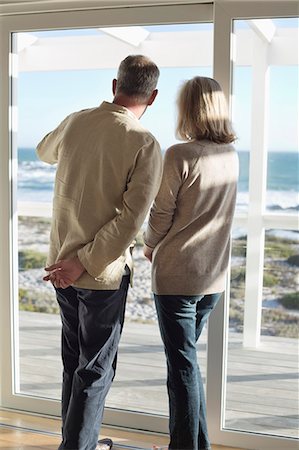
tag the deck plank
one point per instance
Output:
(262, 383)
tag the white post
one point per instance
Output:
(257, 192)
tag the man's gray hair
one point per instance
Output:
(137, 77)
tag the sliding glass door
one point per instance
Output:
(55, 72)
(258, 398)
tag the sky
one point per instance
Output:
(45, 98)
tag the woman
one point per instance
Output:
(188, 242)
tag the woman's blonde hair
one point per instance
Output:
(202, 112)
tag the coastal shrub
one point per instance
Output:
(25, 302)
(280, 239)
(293, 260)
(33, 300)
(239, 247)
(237, 286)
(277, 248)
(237, 275)
(290, 301)
(279, 323)
(275, 322)
(31, 259)
(41, 221)
(270, 279)
(236, 313)
(287, 276)
(23, 294)
(237, 292)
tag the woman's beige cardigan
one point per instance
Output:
(190, 222)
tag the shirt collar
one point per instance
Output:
(117, 108)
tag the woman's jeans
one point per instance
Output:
(181, 320)
(92, 322)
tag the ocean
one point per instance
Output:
(36, 180)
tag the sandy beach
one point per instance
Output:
(34, 235)
(37, 295)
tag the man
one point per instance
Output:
(108, 172)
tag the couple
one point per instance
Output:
(109, 171)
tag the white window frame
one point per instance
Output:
(224, 13)
(256, 221)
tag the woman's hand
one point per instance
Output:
(148, 252)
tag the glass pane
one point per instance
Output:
(49, 87)
(283, 162)
(262, 387)
(261, 384)
(282, 181)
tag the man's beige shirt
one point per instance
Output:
(108, 172)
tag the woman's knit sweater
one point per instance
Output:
(190, 222)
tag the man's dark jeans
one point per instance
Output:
(92, 323)
(181, 320)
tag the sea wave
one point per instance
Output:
(283, 201)
(36, 183)
(36, 173)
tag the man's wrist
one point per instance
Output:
(79, 264)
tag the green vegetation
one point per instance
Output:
(280, 273)
(30, 300)
(293, 260)
(270, 279)
(31, 259)
(290, 301)
(275, 247)
(280, 281)
(32, 221)
(279, 248)
(279, 323)
(239, 247)
(275, 322)
(237, 275)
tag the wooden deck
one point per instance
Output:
(262, 384)
(16, 433)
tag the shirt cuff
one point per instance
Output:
(84, 261)
(146, 242)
